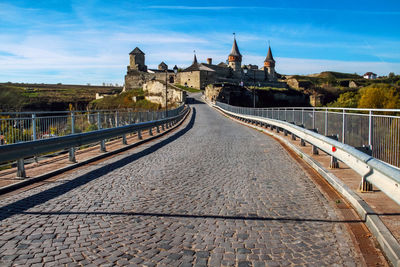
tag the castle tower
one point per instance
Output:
(235, 58)
(162, 66)
(269, 66)
(136, 60)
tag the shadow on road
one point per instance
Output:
(192, 101)
(29, 202)
(195, 216)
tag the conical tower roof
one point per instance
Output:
(136, 51)
(195, 59)
(235, 50)
(269, 56)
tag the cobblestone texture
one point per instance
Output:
(218, 194)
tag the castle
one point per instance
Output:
(199, 75)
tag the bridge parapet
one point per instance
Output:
(376, 129)
(144, 121)
(383, 175)
(373, 171)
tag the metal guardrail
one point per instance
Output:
(21, 150)
(382, 175)
(376, 129)
(18, 127)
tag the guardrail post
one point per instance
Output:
(102, 142)
(285, 132)
(314, 149)
(124, 142)
(302, 142)
(21, 169)
(293, 137)
(334, 162)
(150, 131)
(117, 124)
(71, 156)
(162, 127)
(365, 186)
(158, 129)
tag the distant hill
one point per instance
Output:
(338, 75)
(31, 97)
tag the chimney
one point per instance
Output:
(209, 61)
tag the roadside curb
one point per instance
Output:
(386, 240)
(12, 187)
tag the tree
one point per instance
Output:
(346, 100)
(379, 96)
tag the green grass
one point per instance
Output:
(188, 89)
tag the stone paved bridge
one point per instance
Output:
(216, 193)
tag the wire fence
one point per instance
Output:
(29, 126)
(376, 130)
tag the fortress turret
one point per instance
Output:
(269, 66)
(235, 58)
(136, 60)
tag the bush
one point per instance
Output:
(346, 100)
(379, 96)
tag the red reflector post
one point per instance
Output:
(333, 149)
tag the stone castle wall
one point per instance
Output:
(155, 92)
(190, 79)
(136, 79)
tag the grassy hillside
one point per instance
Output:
(338, 75)
(20, 97)
(124, 100)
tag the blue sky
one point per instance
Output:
(89, 41)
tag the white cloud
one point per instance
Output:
(84, 50)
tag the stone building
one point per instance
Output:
(138, 73)
(298, 84)
(155, 92)
(199, 75)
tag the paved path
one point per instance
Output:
(217, 194)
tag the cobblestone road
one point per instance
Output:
(217, 194)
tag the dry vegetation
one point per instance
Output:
(27, 97)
